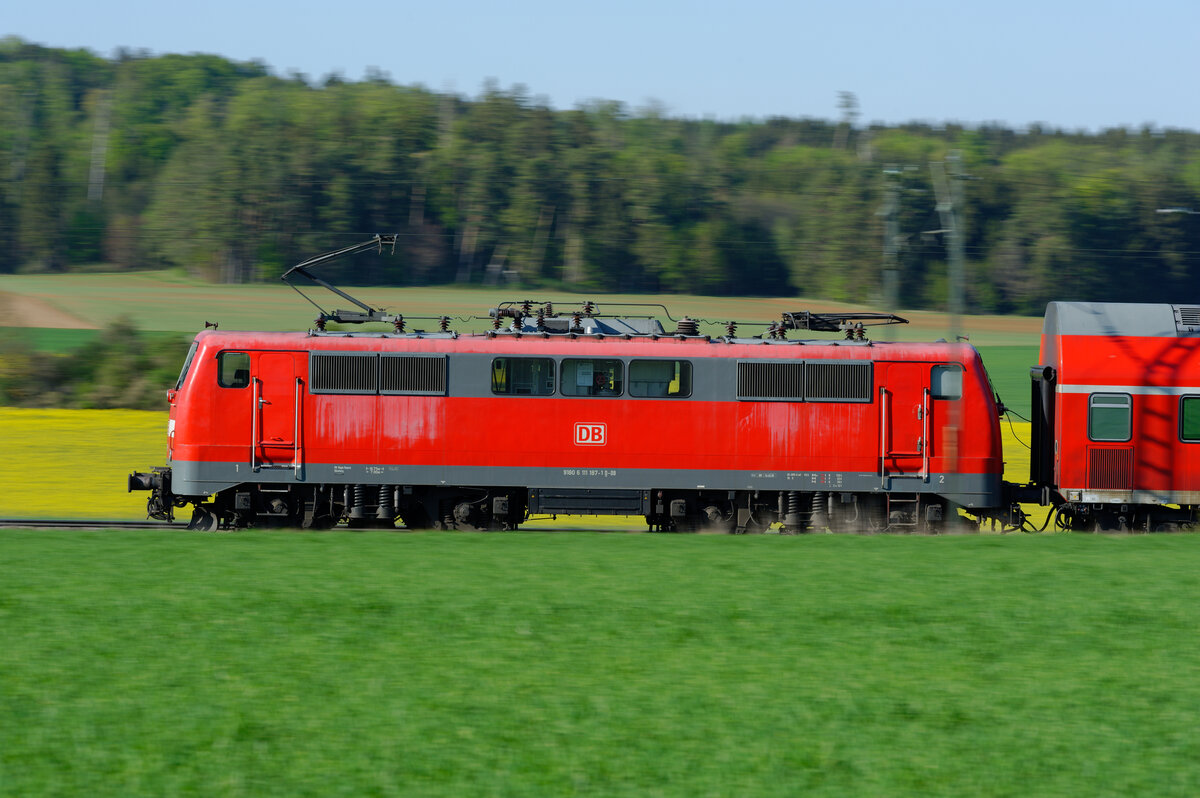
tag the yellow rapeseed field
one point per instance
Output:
(73, 463)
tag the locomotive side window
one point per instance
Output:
(523, 376)
(233, 369)
(1110, 416)
(187, 364)
(945, 382)
(1189, 418)
(669, 378)
(591, 378)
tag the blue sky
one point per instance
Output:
(1069, 64)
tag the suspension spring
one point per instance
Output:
(820, 514)
(386, 509)
(356, 498)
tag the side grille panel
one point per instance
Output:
(330, 373)
(1110, 469)
(770, 381)
(407, 374)
(837, 382)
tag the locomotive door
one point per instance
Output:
(904, 420)
(277, 411)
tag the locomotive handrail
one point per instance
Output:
(925, 440)
(254, 426)
(883, 448)
(297, 460)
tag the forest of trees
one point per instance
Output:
(232, 173)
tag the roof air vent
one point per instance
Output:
(1187, 318)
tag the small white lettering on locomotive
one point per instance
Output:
(590, 433)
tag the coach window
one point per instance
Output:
(1189, 418)
(669, 378)
(945, 382)
(1110, 416)
(233, 369)
(591, 378)
(523, 376)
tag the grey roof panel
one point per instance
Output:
(1112, 318)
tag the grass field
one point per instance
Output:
(49, 339)
(526, 664)
(166, 301)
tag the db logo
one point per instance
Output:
(590, 434)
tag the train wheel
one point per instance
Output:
(716, 521)
(204, 519)
(466, 518)
(753, 527)
(872, 515)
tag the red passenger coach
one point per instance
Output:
(580, 413)
(1117, 414)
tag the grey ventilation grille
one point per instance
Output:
(837, 382)
(412, 374)
(758, 380)
(329, 373)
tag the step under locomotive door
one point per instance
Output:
(904, 421)
(277, 409)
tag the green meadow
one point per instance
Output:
(169, 302)
(165, 663)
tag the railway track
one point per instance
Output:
(43, 523)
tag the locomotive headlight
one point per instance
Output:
(1074, 495)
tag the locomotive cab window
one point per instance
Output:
(662, 378)
(523, 376)
(1189, 418)
(187, 364)
(1110, 417)
(591, 378)
(945, 382)
(233, 369)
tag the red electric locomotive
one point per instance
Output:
(578, 414)
(1116, 426)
